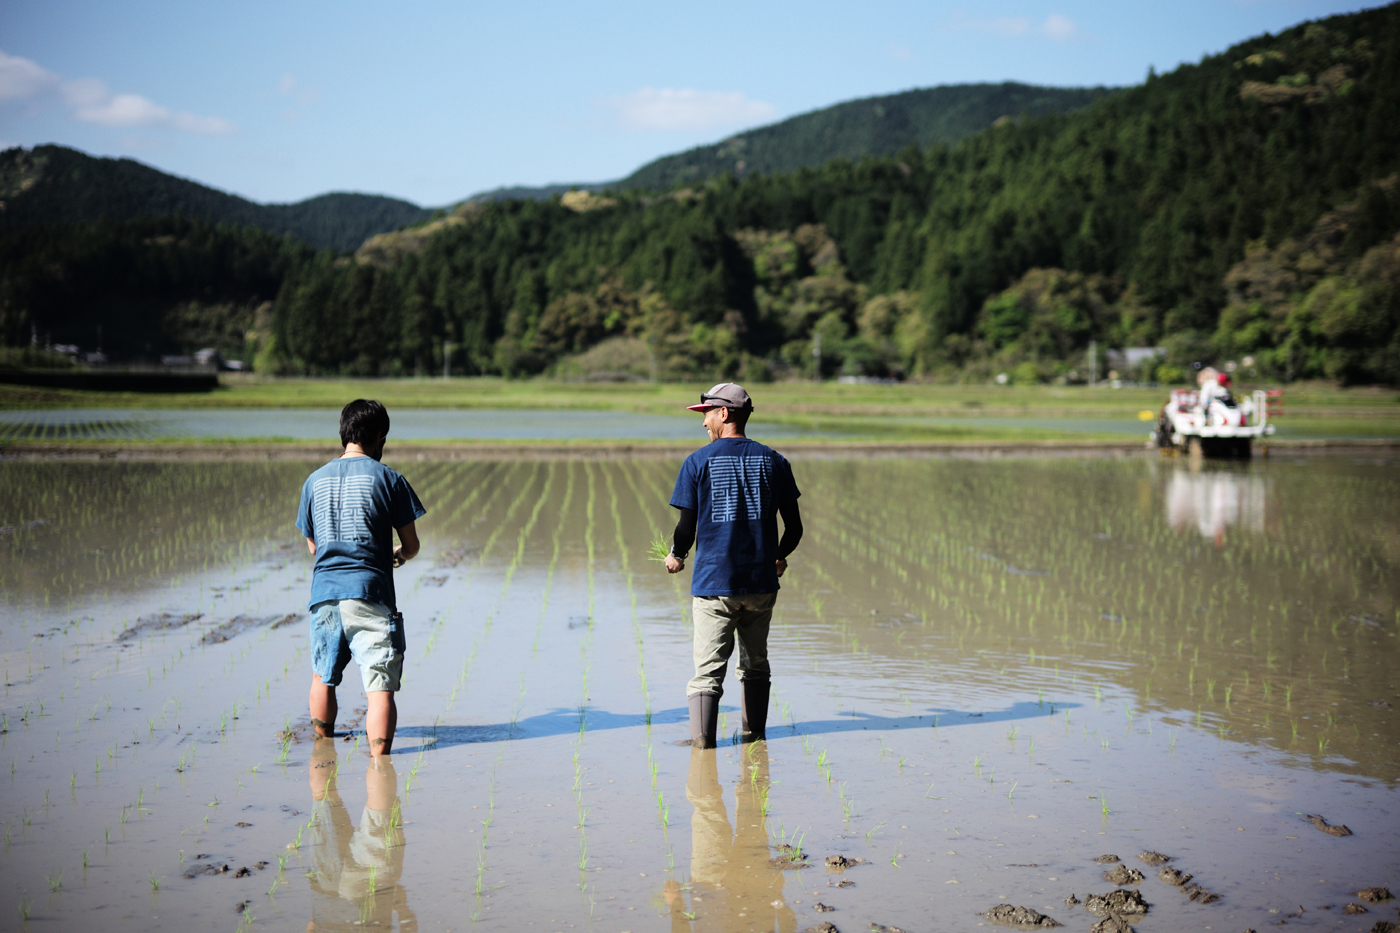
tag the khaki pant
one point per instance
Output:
(718, 621)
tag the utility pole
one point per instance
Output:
(446, 359)
(817, 355)
(1093, 362)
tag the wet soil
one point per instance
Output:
(1328, 828)
(1154, 858)
(1123, 875)
(1375, 895)
(240, 624)
(162, 622)
(1127, 903)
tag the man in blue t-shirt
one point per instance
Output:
(350, 509)
(729, 494)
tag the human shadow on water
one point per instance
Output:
(568, 721)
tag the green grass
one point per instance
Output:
(858, 412)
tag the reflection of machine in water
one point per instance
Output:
(733, 886)
(1214, 500)
(357, 868)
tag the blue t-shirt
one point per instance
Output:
(735, 486)
(351, 508)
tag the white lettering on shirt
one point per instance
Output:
(340, 507)
(739, 485)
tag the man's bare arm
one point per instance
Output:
(311, 546)
(408, 545)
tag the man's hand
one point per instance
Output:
(781, 565)
(674, 564)
(399, 557)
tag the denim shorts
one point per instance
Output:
(342, 629)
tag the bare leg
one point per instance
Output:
(323, 708)
(381, 721)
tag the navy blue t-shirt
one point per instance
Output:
(735, 486)
(351, 508)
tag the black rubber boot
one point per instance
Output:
(704, 719)
(755, 710)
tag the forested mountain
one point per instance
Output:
(872, 126)
(1246, 207)
(853, 129)
(55, 184)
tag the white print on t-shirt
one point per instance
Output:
(340, 507)
(739, 483)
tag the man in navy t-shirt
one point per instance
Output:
(729, 494)
(350, 509)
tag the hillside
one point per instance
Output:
(872, 126)
(55, 184)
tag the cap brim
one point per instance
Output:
(703, 406)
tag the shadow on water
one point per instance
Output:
(570, 721)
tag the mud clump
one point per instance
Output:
(1123, 875)
(1352, 909)
(881, 928)
(159, 623)
(789, 857)
(1194, 892)
(1173, 877)
(243, 872)
(1326, 827)
(194, 871)
(1107, 859)
(1154, 858)
(240, 624)
(1019, 918)
(1385, 926)
(1116, 902)
(1071, 900)
(841, 884)
(1375, 895)
(821, 908)
(1111, 924)
(822, 927)
(841, 862)
(242, 907)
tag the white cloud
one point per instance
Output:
(286, 83)
(1056, 26)
(20, 78)
(686, 109)
(90, 101)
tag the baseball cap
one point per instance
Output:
(724, 395)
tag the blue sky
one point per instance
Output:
(435, 101)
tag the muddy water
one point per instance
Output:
(987, 674)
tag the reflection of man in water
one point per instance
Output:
(357, 868)
(733, 886)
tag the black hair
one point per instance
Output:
(739, 417)
(363, 422)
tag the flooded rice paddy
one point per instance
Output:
(988, 675)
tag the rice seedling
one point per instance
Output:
(55, 881)
(155, 883)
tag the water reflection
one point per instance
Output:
(1213, 500)
(355, 883)
(733, 886)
